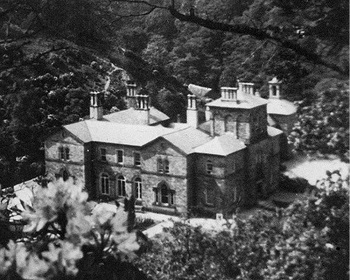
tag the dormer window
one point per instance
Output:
(209, 167)
(63, 153)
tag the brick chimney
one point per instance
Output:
(96, 110)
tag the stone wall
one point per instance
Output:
(148, 172)
(247, 125)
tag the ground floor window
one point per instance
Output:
(209, 195)
(121, 186)
(104, 182)
(138, 188)
(164, 195)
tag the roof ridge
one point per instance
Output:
(88, 129)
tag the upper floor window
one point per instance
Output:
(103, 154)
(163, 165)
(120, 156)
(209, 195)
(104, 183)
(137, 159)
(121, 186)
(166, 166)
(160, 165)
(209, 167)
(63, 153)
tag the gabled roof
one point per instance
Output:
(115, 133)
(187, 139)
(245, 101)
(221, 145)
(132, 116)
(281, 107)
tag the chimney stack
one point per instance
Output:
(247, 88)
(142, 106)
(274, 88)
(131, 93)
(229, 94)
(192, 111)
(96, 110)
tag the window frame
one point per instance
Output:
(166, 166)
(121, 183)
(164, 196)
(105, 184)
(160, 166)
(117, 156)
(63, 153)
(212, 195)
(137, 162)
(209, 167)
(103, 155)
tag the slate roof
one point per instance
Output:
(272, 131)
(246, 101)
(132, 116)
(281, 107)
(187, 139)
(115, 133)
(221, 145)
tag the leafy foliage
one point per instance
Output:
(68, 238)
(308, 240)
(323, 125)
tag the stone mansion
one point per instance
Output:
(172, 167)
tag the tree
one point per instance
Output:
(323, 123)
(307, 28)
(307, 240)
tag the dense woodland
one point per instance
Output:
(53, 53)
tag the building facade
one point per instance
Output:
(172, 168)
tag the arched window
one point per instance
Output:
(63, 153)
(138, 188)
(164, 196)
(160, 165)
(121, 186)
(104, 182)
(166, 166)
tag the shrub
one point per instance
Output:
(67, 239)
